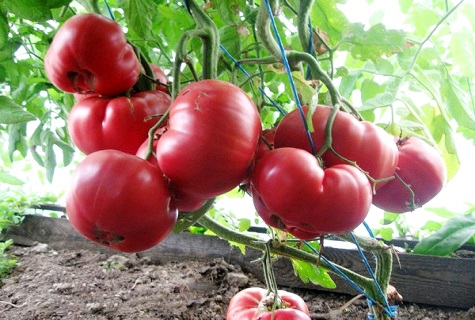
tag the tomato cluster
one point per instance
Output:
(128, 191)
(361, 164)
(118, 197)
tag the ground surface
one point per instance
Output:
(82, 284)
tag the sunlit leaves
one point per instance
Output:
(372, 44)
(11, 113)
(457, 103)
(34, 10)
(7, 178)
(138, 16)
(326, 16)
(309, 272)
(229, 10)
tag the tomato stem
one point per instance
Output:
(278, 248)
(151, 133)
(210, 39)
(303, 18)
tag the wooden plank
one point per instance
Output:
(420, 279)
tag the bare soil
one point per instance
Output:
(82, 284)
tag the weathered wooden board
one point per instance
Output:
(421, 279)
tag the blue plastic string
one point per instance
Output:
(310, 48)
(368, 229)
(282, 111)
(109, 10)
(339, 272)
(370, 271)
(289, 74)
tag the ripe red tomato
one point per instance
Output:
(372, 148)
(255, 304)
(422, 168)
(121, 123)
(90, 53)
(294, 193)
(120, 201)
(183, 202)
(211, 141)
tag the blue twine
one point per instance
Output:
(338, 271)
(368, 229)
(109, 10)
(289, 75)
(310, 48)
(370, 271)
(282, 111)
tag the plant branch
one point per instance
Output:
(279, 249)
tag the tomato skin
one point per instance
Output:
(368, 145)
(245, 305)
(294, 192)
(90, 53)
(422, 167)
(122, 123)
(210, 145)
(120, 201)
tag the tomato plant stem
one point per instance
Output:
(210, 39)
(303, 18)
(279, 249)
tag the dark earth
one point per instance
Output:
(84, 284)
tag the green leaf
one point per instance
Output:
(389, 218)
(384, 99)
(244, 225)
(7, 178)
(11, 113)
(386, 233)
(304, 89)
(457, 103)
(229, 38)
(449, 238)
(229, 10)
(373, 44)
(326, 16)
(34, 10)
(138, 16)
(4, 29)
(17, 140)
(309, 272)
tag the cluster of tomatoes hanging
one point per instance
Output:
(127, 192)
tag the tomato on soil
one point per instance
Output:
(255, 304)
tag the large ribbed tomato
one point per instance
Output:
(255, 304)
(120, 201)
(372, 148)
(121, 123)
(211, 141)
(422, 168)
(90, 53)
(293, 193)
